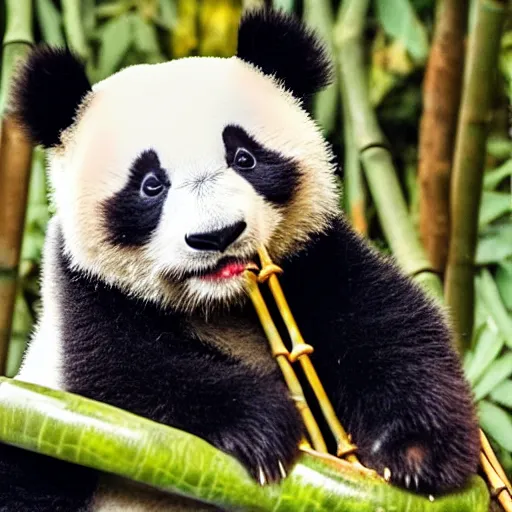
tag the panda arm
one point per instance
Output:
(187, 385)
(384, 353)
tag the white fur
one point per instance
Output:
(179, 109)
(42, 360)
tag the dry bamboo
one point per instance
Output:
(15, 159)
(468, 164)
(441, 98)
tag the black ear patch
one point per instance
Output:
(47, 92)
(281, 45)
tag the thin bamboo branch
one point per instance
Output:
(15, 157)
(300, 352)
(281, 355)
(374, 153)
(441, 98)
(468, 165)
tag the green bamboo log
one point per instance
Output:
(468, 166)
(319, 16)
(374, 152)
(354, 191)
(79, 430)
(73, 27)
(15, 157)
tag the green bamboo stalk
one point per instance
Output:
(468, 166)
(73, 27)
(115, 441)
(373, 150)
(319, 16)
(354, 191)
(15, 156)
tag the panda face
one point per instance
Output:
(174, 174)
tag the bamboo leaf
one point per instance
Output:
(116, 38)
(497, 372)
(487, 289)
(488, 346)
(50, 22)
(167, 14)
(494, 244)
(493, 178)
(497, 423)
(145, 36)
(502, 393)
(494, 205)
(121, 443)
(284, 5)
(400, 21)
(504, 282)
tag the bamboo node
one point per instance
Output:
(345, 449)
(300, 350)
(268, 271)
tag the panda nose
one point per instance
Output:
(218, 240)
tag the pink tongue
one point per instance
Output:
(229, 270)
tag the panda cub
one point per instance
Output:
(166, 179)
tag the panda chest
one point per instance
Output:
(236, 338)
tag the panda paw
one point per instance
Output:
(266, 440)
(420, 465)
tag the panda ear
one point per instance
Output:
(282, 46)
(47, 91)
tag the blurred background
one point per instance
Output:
(419, 117)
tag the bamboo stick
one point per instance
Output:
(300, 351)
(281, 354)
(15, 158)
(373, 150)
(441, 98)
(468, 165)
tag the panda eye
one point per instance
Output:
(244, 159)
(151, 186)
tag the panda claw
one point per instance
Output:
(281, 469)
(261, 476)
(417, 481)
(407, 481)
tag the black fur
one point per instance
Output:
(30, 482)
(131, 218)
(47, 92)
(137, 357)
(282, 46)
(385, 357)
(275, 176)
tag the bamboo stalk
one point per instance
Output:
(374, 152)
(15, 158)
(468, 165)
(73, 27)
(441, 98)
(281, 354)
(300, 352)
(318, 15)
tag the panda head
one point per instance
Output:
(168, 177)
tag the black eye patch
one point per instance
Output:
(273, 175)
(131, 216)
